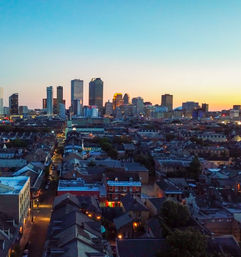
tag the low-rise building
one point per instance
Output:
(15, 197)
(118, 187)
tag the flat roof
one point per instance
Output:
(75, 185)
(123, 183)
(12, 185)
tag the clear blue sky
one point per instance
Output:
(191, 49)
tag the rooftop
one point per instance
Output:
(73, 185)
(12, 185)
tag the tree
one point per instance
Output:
(169, 137)
(188, 243)
(194, 169)
(147, 161)
(91, 164)
(175, 214)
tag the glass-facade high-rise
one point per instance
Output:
(77, 89)
(50, 100)
(96, 92)
(60, 94)
(13, 104)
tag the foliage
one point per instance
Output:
(194, 169)
(146, 160)
(91, 164)
(106, 146)
(189, 243)
(175, 214)
(169, 137)
(198, 141)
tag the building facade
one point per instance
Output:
(96, 87)
(13, 104)
(77, 89)
(50, 100)
(15, 197)
(167, 101)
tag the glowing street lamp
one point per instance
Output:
(120, 236)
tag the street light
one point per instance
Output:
(120, 236)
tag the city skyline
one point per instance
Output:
(187, 49)
(67, 95)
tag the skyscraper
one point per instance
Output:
(96, 92)
(139, 103)
(13, 104)
(205, 107)
(117, 100)
(167, 101)
(77, 90)
(60, 94)
(1, 101)
(77, 95)
(50, 100)
(108, 108)
(126, 99)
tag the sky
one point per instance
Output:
(188, 48)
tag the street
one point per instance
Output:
(42, 214)
(41, 221)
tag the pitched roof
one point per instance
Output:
(168, 187)
(132, 204)
(122, 221)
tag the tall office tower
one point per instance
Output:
(108, 108)
(96, 92)
(167, 101)
(59, 102)
(50, 100)
(13, 104)
(60, 94)
(117, 100)
(1, 101)
(204, 107)
(77, 90)
(126, 99)
(139, 103)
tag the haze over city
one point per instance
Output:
(120, 128)
(190, 49)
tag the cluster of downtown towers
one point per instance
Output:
(77, 95)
